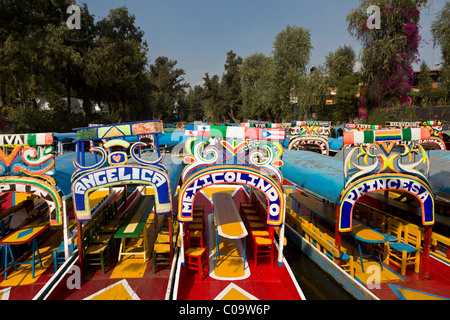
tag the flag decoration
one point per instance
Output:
(242, 132)
(119, 130)
(310, 123)
(266, 125)
(363, 126)
(371, 136)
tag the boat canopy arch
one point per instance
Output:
(32, 168)
(377, 166)
(246, 155)
(306, 134)
(116, 169)
(232, 174)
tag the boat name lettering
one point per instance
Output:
(383, 184)
(118, 174)
(232, 177)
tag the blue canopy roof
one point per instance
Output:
(440, 171)
(64, 169)
(320, 174)
(324, 175)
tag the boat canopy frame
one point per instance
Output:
(387, 171)
(30, 168)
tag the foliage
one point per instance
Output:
(291, 53)
(339, 64)
(312, 92)
(168, 88)
(440, 29)
(389, 52)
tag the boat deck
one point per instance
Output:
(392, 285)
(129, 279)
(229, 279)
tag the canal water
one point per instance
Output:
(314, 282)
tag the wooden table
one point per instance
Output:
(27, 234)
(228, 221)
(133, 226)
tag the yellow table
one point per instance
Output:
(26, 234)
(228, 221)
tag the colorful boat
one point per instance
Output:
(119, 241)
(310, 135)
(337, 214)
(31, 171)
(231, 204)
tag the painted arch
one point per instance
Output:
(120, 175)
(402, 183)
(38, 188)
(322, 143)
(232, 174)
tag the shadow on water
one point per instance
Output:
(315, 283)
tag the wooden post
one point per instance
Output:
(65, 227)
(182, 243)
(170, 236)
(80, 245)
(337, 236)
(281, 235)
(425, 263)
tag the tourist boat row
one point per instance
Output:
(121, 218)
(375, 215)
(128, 211)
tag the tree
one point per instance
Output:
(193, 109)
(440, 29)
(117, 63)
(425, 81)
(340, 64)
(291, 54)
(35, 56)
(388, 52)
(211, 98)
(168, 87)
(312, 92)
(230, 87)
(253, 71)
(346, 97)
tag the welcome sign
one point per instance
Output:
(106, 177)
(385, 182)
(234, 175)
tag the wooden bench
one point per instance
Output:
(325, 244)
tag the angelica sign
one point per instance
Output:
(106, 177)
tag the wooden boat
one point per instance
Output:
(335, 214)
(310, 135)
(230, 206)
(115, 255)
(32, 171)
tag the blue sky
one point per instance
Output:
(199, 33)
